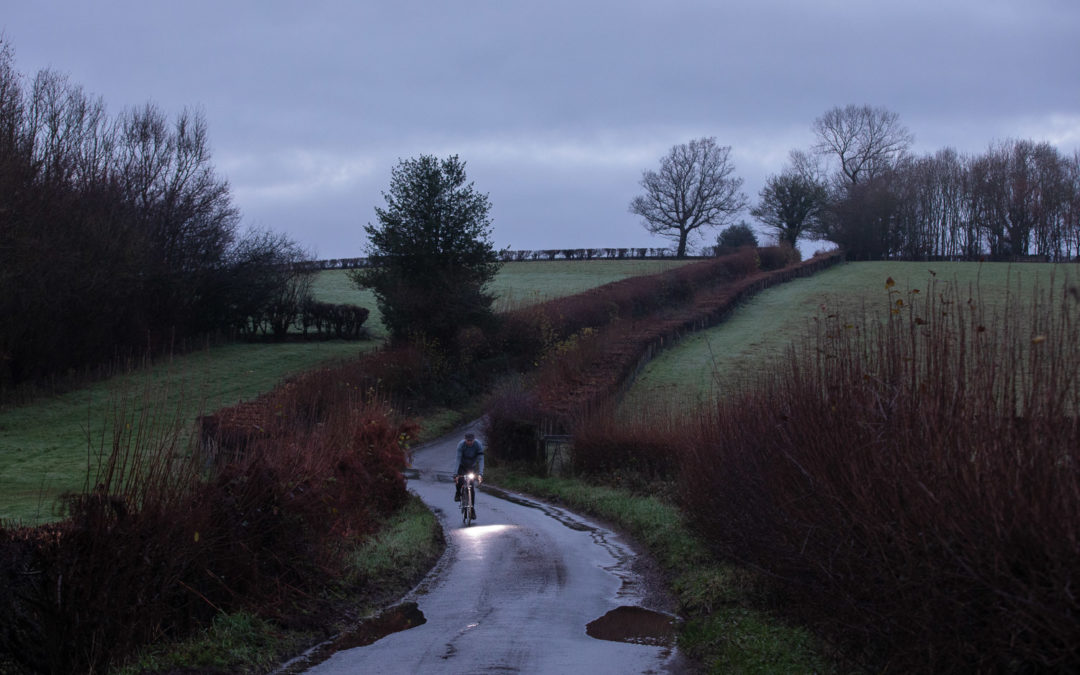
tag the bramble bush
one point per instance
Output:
(157, 547)
(778, 257)
(912, 486)
(511, 423)
(634, 454)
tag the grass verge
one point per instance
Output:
(381, 569)
(729, 627)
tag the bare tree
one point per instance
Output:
(866, 140)
(694, 188)
(808, 165)
(1020, 195)
(116, 233)
(1071, 215)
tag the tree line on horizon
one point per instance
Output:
(860, 187)
(117, 237)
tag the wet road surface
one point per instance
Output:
(515, 593)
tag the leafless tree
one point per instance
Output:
(807, 165)
(1071, 211)
(867, 141)
(1020, 196)
(694, 188)
(116, 233)
(931, 219)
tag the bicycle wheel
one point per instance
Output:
(466, 505)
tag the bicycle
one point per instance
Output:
(468, 494)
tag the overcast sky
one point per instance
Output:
(555, 106)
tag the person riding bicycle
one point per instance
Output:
(470, 457)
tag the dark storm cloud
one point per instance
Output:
(556, 106)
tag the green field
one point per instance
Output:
(727, 356)
(525, 283)
(44, 445)
(517, 284)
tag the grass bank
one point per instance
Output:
(729, 626)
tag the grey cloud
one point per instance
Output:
(556, 106)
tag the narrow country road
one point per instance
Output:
(515, 592)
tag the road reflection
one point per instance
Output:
(474, 540)
(478, 531)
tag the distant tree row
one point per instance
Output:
(624, 253)
(116, 235)
(520, 255)
(860, 187)
(1018, 200)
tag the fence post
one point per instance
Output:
(557, 449)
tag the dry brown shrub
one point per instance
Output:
(913, 485)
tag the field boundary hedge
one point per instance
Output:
(747, 290)
(601, 372)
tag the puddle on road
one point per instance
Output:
(393, 620)
(635, 625)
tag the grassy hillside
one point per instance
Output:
(44, 445)
(724, 357)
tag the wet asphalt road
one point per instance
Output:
(512, 594)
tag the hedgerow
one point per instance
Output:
(911, 486)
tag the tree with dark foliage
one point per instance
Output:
(430, 253)
(735, 236)
(791, 204)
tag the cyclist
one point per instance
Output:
(470, 457)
